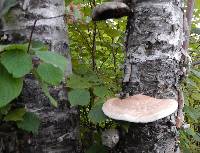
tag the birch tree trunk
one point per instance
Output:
(154, 67)
(59, 126)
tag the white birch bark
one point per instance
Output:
(59, 126)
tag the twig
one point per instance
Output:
(196, 63)
(187, 21)
(33, 28)
(189, 14)
(114, 57)
(30, 39)
(94, 46)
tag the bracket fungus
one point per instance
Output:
(110, 10)
(139, 108)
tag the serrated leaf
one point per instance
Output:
(15, 115)
(53, 58)
(101, 91)
(7, 4)
(10, 87)
(79, 97)
(18, 63)
(30, 123)
(46, 92)
(50, 74)
(77, 82)
(96, 114)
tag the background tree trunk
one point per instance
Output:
(154, 67)
(56, 123)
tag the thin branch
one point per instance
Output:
(34, 24)
(94, 46)
(189, 14)
(196, 63)
(31, 36)
(114, 56)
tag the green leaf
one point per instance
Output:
(18, 63)
(38, 46)
(192, 112)
(197, 4)
(196, 137)
(79, 97)
(46, 92)
(50, 74)
(195, 96)
(30, 123)
(96, 148)
(196, 73)
(53, 58)
(15, 115)
(7, 4)
(196, 30)
(101, 91)
(189, 131)
(4, 110)
(80, 69)
(96, 114)
(10, 87)
(14, 47)
(77, 82)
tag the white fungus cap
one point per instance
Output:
(139, 108)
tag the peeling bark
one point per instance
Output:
(154, 66)
(59, 130)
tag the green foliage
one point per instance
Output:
(50, 74)
(10, 87)
(97, 54)
(46, 92)
(190, 137)
(17, 62)
(15, 115)
(52, 58)
(78, 82)
(101, 91)
(79, 97)
(96, 115)
(197, 4)
(97, 148)
(29, 123)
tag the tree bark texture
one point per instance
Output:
(154, 67)
(59, 130)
